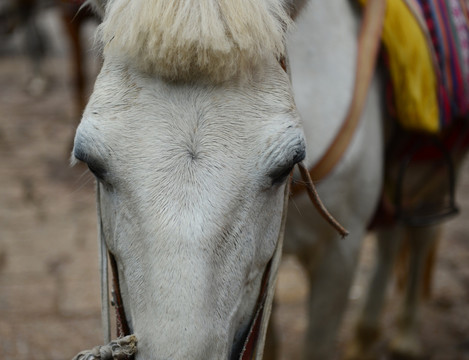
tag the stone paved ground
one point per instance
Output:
(49, 290)
(48, 263)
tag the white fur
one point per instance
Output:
(189, 208)
(187, 39)
(188, 205)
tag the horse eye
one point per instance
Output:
(281, 173)
(95, 166)
(279, 176)
(97, 170)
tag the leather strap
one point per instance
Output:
(123, 328)
(253, 335)
(368, 47)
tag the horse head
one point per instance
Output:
(192, 162)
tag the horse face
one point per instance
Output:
(192, 183)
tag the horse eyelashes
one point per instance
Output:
(97, 170)
(96, 167)
(279, 176)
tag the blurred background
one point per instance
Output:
(49, 279)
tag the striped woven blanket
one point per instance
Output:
(427, 43)
(447, 24)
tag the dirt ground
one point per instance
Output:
(49, 280)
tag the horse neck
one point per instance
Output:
(323, 56)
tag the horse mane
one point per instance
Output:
(188, 39)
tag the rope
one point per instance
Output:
(120, 349)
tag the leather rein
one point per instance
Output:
(368, 46)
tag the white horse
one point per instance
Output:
(192, 130)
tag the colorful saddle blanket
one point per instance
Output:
(427, 43)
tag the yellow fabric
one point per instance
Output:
(411, 68)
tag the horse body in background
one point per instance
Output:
(322, 60)
(16, 14)
(75, 15)
(323, 55)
